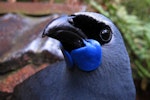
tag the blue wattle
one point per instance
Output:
(89, 57)
(67, 57)
(86, 58)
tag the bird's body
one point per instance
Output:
(73, 85)
(111, 81)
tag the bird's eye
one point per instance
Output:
(105, 35)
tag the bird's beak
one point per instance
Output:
(63, 29)
(75, 44)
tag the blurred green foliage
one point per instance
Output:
(136, 32)
(138, 8)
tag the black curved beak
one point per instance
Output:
(63, 29)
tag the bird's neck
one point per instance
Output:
(102, 81)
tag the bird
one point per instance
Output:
(96, 64)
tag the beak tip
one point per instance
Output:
(43, 34)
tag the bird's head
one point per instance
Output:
(86, 39)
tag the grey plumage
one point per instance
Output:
(112, 81)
